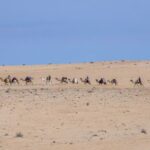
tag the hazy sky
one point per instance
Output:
(62, 31)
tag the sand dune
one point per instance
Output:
(71, 117)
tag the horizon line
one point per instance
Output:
(81, 62)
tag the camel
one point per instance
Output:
(74, 80)
(86, 80)
(5, 81)
(113, 81)
(27, 80)
(62, 80)
(11, 80)
(14, 80)
(8, 80)
(101, 81)
(137, 82)
(47, 79)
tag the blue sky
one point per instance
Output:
(64, 31)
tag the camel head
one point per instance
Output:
(132, 81)
(97, 80)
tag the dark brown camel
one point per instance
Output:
(102, 81)
(48, 79)
(14, 80)
(27, 80)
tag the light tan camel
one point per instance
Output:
(9, 81)
(5, 81)
(74, 81)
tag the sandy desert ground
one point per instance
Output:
(74, 117)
